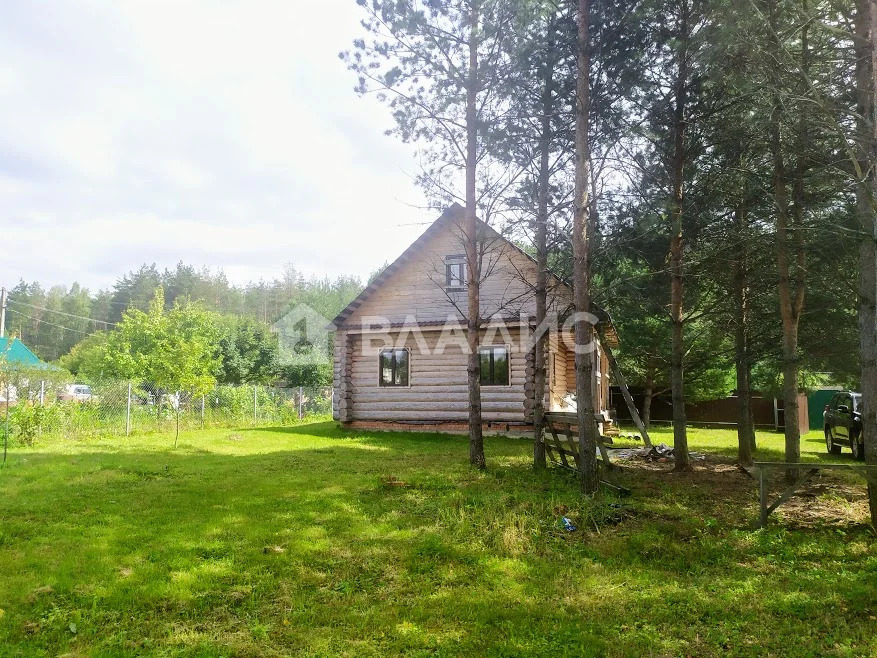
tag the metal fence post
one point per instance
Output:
(202, 411)
(255, 403)
(6, 431)
(42, 404)
(300, 403)
(128, 413)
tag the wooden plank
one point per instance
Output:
(567, 431)
(604, 453)
(762, 498)
(785, 465)
(557, 443)
(628, 399)
(562, 417)
(549, 449)
(790, 491)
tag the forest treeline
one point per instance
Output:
(67, 324)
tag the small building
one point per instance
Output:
(16, 361)
(15, 355)
(400, 356)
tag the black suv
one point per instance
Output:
(843, 423)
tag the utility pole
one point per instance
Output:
(2, 312)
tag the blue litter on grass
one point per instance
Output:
(568, 525)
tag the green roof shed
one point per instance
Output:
(15, 354)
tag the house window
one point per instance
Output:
(494, 366)
(455, 272)
(393, 366)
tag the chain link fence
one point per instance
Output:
(39, 408)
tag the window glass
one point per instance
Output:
(500, 366)
(494, 362)
(393, 366)
(401, 376)
(455, 271)
(484, 358)
(386, 365)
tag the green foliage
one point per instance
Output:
(248, 352)
(86, 358)
(263, 301)
(27, 421)
(311, 373)
(174, 350)
(49, 333)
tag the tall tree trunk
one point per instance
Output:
(677, 376)
(584, 329)
(743, 357)
(646, 415)
(542, 244)
(473, 261)
(866, 198)
(791, 302)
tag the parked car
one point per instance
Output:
(843, 423)
(76, 393)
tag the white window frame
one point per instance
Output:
(458, 282)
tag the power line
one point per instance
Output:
(69, 315)
(51, 324)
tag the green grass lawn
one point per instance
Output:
(311, 540)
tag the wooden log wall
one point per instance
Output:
(342, 399)
(437, 385)
(417, 288)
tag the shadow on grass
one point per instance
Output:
(375, 542)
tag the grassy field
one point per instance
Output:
(311, 540)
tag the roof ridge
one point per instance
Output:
(454, 211)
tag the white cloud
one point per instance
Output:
(218, 133)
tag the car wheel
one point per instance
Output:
(857, 448)
(829, 443)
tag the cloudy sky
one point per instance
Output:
(218, 132)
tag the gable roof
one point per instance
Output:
(454, 212)
(16, 353)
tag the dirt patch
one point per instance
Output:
(826, 501)
(830, 499)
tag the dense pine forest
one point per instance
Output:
(51, 322)
(704, 169)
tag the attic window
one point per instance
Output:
(455, 272)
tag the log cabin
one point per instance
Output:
(400, 349)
